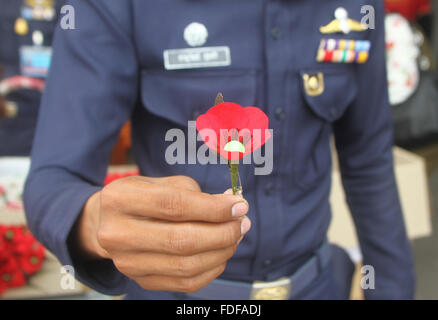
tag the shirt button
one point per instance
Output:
(269, 189)
(267, 262)
(275, 32)
(279, 114)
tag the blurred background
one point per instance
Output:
(28, 270)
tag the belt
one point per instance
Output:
(281, 289)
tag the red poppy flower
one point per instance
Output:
(20, 256)
(32, 261)
(10, 274)
(14, 279)
(4, 250)
(232, 130)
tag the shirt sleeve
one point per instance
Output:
(364, 141)
(91, 91)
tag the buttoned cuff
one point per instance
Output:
(52, 212)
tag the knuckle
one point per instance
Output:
(180, 241)
(230, 252)
(105, 236)
(186, 267)
(190, 285)
(221, 269)
(231, 234)
(144, 283)
(123, 265)
(220, 210)
(188, 183)
(109, 198)
(217, 209)
(172, 204)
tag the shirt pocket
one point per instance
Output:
(175, 97)
(314, 119)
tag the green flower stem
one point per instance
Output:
(234, 173)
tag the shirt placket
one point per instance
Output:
(268, 187)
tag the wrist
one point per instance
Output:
(85, 232)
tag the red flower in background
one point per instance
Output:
(29, 252)
(20, 256)
(232, 130)
(411, 9)
(32, 261)
(117, 175)
(11, 275)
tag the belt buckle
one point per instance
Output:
(274, 290)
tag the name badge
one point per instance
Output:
(191, 58)
(35, 61)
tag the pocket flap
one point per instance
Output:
(183, 96)
(337, 91)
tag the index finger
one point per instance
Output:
(175, 204)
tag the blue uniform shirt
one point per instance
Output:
(110, 69)
(17, 133)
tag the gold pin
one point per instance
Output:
(342, 23)
(41, 3)
(334, 27)
(313, 84)
(355, 25)
(21, 27)
(11, 109)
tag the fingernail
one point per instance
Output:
(246, 224)
(238, 242)
(239, 209)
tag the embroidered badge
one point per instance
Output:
(195, 34)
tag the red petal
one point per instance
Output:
(228, 116)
